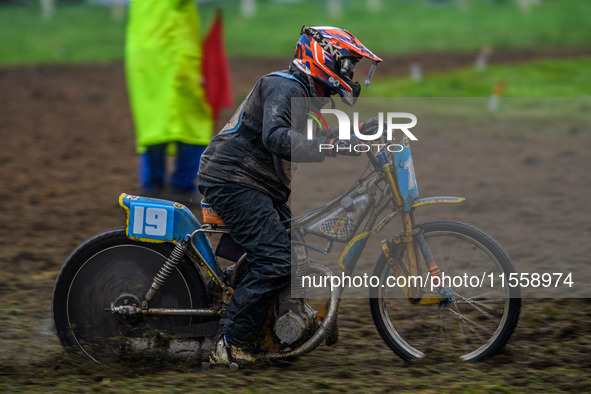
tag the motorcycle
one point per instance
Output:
(143, 285)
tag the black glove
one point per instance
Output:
(371, 127)
(344, 147)
(332, 132)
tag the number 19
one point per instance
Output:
(150, 221)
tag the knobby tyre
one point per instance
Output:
(476, 322)
(109, 270)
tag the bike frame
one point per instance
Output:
(400, 192)
(155, 220)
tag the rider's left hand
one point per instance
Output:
(371, 126)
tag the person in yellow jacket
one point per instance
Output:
(163, 69)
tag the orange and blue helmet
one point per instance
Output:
(329, 55)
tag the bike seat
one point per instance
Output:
(209, 215)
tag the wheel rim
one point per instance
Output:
(112, 276)
(469, 325)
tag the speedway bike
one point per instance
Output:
(159, 282)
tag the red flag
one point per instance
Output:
(216, 69)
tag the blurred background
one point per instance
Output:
(433, 35)
(69, 151)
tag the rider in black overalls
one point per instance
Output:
(245, 172)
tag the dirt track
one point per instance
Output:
(69, 152)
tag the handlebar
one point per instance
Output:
(373, 159)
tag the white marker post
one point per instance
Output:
(335, 8)
(248, 7)
(525, 5)
(483, 57)
(118, 10)
(47, 8)
(416, 72)
(374, 5)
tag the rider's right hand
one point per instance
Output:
(344, 147)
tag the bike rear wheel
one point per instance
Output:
(476, 321)
(110, 270)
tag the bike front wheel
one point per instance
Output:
(479, 314)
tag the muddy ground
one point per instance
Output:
(68, 152)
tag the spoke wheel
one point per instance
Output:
(476, 321)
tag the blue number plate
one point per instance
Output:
(151, 221)
(405, 172)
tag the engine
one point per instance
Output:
(294, 321)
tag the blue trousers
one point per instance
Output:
(153, 167)
(257, 224)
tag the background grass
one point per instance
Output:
(541, 78)
(76, 33)
(402, 26)
(84, 33)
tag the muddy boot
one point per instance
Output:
(233, 356)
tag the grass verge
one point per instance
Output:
(540, 78)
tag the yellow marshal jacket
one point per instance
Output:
(163, 70)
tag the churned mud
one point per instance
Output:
(68, 152)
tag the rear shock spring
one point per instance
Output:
(167, 268)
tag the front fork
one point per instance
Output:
(415, 243)
(415, 246)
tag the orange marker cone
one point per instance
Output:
(493, 103)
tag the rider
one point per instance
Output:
(245, 171)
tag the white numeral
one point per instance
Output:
(412, 180)
(138, 221)
(150, 222)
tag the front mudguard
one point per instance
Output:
(352, 251)
(419, 203)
